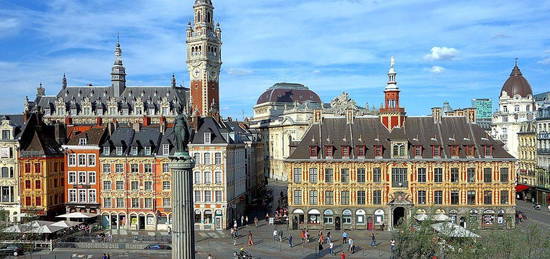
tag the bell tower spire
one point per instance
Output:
(391, 114)
(204, 58)
(118, 73)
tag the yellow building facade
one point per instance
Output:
(527, 152)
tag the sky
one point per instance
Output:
(444, 50)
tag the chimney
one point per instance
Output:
(99, 121)
(471, 115)
(146, 121)
(136, 126)
(68, 120)
(317, 116)
(60, 133)
(436, 114)
(195, 121)
(349, 116)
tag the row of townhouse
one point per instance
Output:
(122, 172)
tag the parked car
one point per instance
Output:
(158, 247)
(11, 249)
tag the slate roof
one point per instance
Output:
(16, 121)
(121, 137)
(94, 136)
(368, 131)
(38, 139)
(99, 96)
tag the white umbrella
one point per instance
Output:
(440, 217)
(37, 223)
(78, 215)
(65, 224)
(421, 217)
(13, 229)
(453, 230)
(45, 229)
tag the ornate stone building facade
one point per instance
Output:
(543, 155)
(121, 103)
(527, 152)
(284, 112)
(204, 59)
(516, 105)
(10, 127)
(362, 172)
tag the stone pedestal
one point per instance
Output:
(183, 236)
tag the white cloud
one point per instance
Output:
(437, 69)
(441, 53)
(545, 61)
(8, 24)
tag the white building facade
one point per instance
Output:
(516, 105)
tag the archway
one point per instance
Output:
(398, 216)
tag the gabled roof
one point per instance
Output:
(94, 136)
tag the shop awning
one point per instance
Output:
(522, 187)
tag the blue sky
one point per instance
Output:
(445, 50)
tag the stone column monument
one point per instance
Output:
(183, 236)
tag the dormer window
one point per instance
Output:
(119, 151)
(165, 149)
(345, 151)
(313, 151)
(418, 151)
(470, 151)
(454, 149)
(436, 151)
(147, 151)
(361, 150)
(399, 150)
(134, 151)
(488, 150)
(378, 151)
(106, 151)
(82, 141)
(207, 137)
(329, 150)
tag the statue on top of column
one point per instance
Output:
(181, 130)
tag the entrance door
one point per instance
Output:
(337, 223)
(218, 222)
(295, 223)
(141, 222)
(398, 216)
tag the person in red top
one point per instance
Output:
(343, 255)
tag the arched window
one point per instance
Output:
(199, 16)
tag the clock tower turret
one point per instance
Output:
(204, 59)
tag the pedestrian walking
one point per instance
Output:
(209, 256)
(344, 237)
(246, 220)
(331, 248)
(108, 256)
(235, 224)
(290, 240)
(275, 235)
(250, 240)
(303, 236)
(256, 221)
(373, 238)
(104, 256)
(392, 245)
(343, 255)
(321, 238)
(307, 236)
(320, 247)
(242, 221)
(350, 242)
(280, 235)
(267, 217)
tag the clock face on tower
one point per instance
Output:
(213, 75)
(196, 72)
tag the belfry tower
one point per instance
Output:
(204, 59)
(391, 115)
